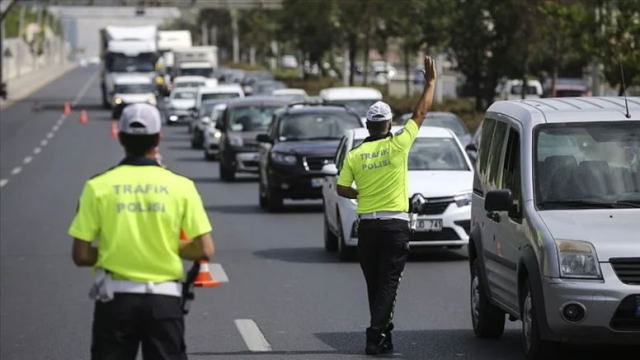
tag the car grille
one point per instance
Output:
(250, 164)
(445, 234)
(434, 206)
(626, 318)
(316, 163)
(627, 270)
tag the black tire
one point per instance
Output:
(194, 144)
(486, 318)
(274, 200)
(226, 174)
(535, 348)
(345, 253)
(330, 239)
(209, 157)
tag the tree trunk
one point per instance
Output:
(365, 68)
(407, 70)
(353, 48)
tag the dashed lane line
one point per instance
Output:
(252, 335)
(28, 159)
(37, 150)
(43, 143)
(84, 89)
(55, 127)
(50, 135)
(3, 182)
(218, 273)
(16, 170)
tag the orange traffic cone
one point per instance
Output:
(83, 117)
(67, 108)
(204, 277)
(114, 129)
(183, 236)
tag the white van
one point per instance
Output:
(131, 88)
(357, 98)
(512, 90)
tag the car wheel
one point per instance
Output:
(194, 144)
(345, 253)
(535, 348)
(330, 239)
(209, 157)
(487, 319)
(274, 200)
(226, 174)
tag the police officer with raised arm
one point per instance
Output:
(379, 168)
(135, 211)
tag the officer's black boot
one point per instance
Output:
(375, 342)
(387, 344)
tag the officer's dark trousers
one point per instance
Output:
(155, 321)
(383, 246)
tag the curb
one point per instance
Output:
(10, 102)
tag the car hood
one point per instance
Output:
(439, 183)
(135, 98)
(310, 148)
(183, 104)
(613, 232)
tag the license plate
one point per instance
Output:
(429, 225)
(317, 182)
(638, 306)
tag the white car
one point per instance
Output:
(218, 93)
(180, 103)
(212, 135)
(512, 90)
(439, 170)
(359, 99)
(293, 95)
(189, 82)
(131, 88)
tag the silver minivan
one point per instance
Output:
(555, 237)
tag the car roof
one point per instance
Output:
(565, 110)
(318, 109)
(221, 89)
(256, 100)
(350, 93)
(425, 131)
(189, 78)
(289, 91)
(132, 79)
(185, 89)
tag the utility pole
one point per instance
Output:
(236, 40)
(205, 34)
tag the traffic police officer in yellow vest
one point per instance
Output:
(135, 212)
(379, 168)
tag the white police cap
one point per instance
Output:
(140, 119)
(379, 112)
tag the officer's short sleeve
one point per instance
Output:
(86, 224)
(195, 221)
(346, 173)
(403, 138)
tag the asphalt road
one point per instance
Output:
(305, 303)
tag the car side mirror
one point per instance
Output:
(206, 120)
(219, 126)
(472, 152)
(330, 170)
(263, 138)
(498, 200)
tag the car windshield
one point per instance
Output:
(189, 84)
(359, 106)
(292, 98)
(252, 78)
(206, 72)
(434, 154)
(517, 90)
(447, 121)
(588, 165)
(319, 126)
(251, 118)
(134, 88)
(206, 109)
(121, 63)
(184, 95)
(268, 88)
(220, 96)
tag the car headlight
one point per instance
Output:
(118, 101)
(463, 199)
(151, 100)
(286, 159)
(578, 259)
(235, 140)
(173, 118)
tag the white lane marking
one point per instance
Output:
(43, 143)
(50, 135)
(28, 159)
(252, 335)
(217, 273)
(3, 182)
(16, 170)
(55, 128)
(84, 89)
(37, 150)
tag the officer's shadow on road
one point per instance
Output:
(304, 255)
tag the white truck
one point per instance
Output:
(198, 60)
(168, 42)
(126, 49)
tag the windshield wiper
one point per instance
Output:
(319, 138)
(628, 203)
(592, 204)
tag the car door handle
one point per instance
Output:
(494, 216)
